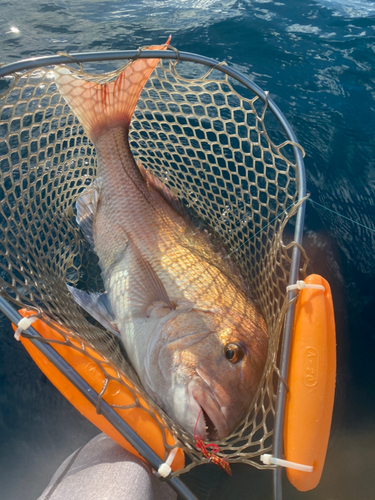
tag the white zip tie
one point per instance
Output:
(165, 468)
(23, 325)
(300, 285)
(268, 459)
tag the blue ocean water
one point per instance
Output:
(317, 60)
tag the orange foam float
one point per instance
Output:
(311, 382)
(142, 422)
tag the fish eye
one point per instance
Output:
(234, 353)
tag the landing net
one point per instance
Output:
(214, 144)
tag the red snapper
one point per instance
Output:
(192, 333)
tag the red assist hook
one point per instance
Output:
(210, 455)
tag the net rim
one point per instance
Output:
(174, 54)
(170, 54)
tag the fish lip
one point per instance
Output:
(205, 401)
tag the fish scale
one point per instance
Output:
(133, 209)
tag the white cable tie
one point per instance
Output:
(268, 459)
(23, 325)
(165, 468)
(300, 285)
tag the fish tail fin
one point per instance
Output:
(98, 106)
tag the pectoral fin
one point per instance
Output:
(146, 290)
(98, 306)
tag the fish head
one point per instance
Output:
(206, 368)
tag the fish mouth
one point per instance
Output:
(210, 420)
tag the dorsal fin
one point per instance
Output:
(99, 106)
(154, 183)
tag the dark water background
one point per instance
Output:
(317, 59)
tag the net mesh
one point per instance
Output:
(214, 144)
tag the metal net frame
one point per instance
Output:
(213, 139)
